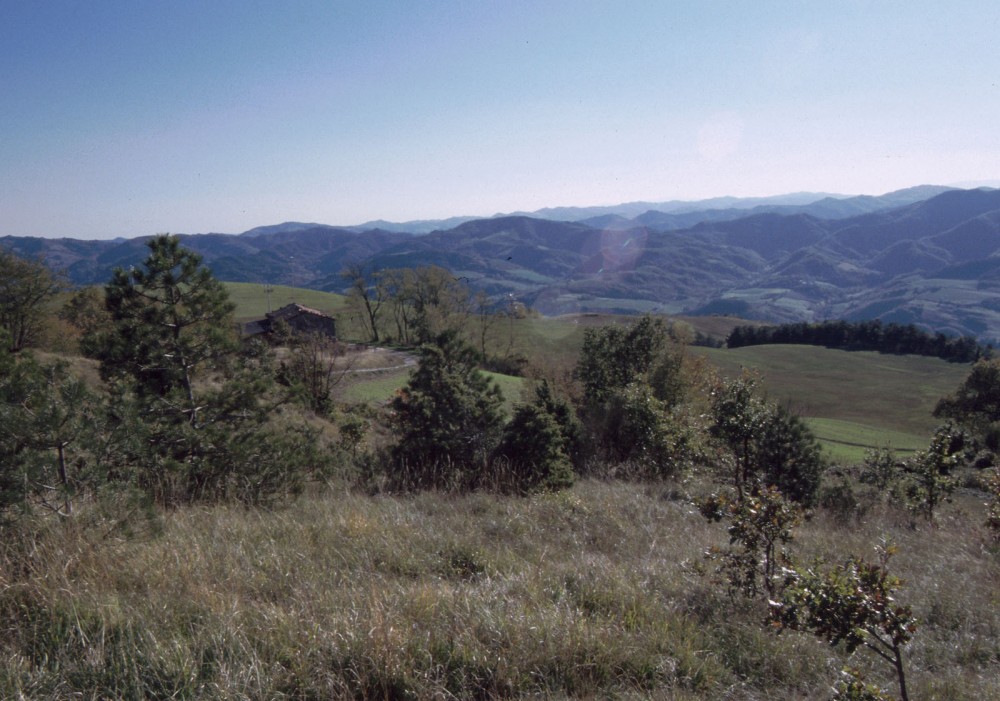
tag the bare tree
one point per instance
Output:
(314, 369)
(366, 295)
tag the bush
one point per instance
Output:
(447, 417)
(534, 448)
(789, 457)
(768, 441)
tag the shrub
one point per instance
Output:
(853, 604)
(759, 524)
(881, 468)
(931, 471)
(447, 417)
(534, 447)
(993, 506)
(768, 441)
(789, 457)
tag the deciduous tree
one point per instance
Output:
(853, 604)
(975, 405)
(25, 288)
(366, 296)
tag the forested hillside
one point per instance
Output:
(925, 256)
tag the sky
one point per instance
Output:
(133, 118)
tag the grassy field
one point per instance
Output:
(251, 299)
(848, 441)
(861, 399)
(600, 592)
(378, 388)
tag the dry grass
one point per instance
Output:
(592, 593)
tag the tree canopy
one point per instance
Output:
(25, 287)
(975, 405)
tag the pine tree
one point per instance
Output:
(200, 397)
(448, 418)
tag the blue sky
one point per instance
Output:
(131, 118)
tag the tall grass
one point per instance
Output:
(595, 592)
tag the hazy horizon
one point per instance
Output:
(127, 119)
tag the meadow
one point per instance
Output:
(853, 401)
(251, 299)
(601, 591)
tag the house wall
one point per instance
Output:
(306, 323)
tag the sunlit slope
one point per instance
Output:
(852, 399)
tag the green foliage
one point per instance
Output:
(636, 428)
(633, 383)
(931, 472)
(853, 604)
(171, 319)
(534, 450)
(789, 457)
(424, 302)
(862, 336)
(993, 506)
(854, 687)
(25, 287)
(975, 405)
(570, 428)
(739, 415)
(447, 418)
(352, 431)
(881, 469)
(18, 384)
(49, 423)
(612, 357)
(768, 441)
(191, 400)
(540, 442)
(85, 311)
(759, 524)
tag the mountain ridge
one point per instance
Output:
(898, 257)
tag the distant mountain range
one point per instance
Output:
(927, 255)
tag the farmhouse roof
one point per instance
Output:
(294, 309)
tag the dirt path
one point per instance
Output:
(362, 359)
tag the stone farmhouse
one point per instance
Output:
(299, 318)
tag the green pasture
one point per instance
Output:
(853, 400)
(373, 388)
(251, 299)
(379, 388)
(848, 441)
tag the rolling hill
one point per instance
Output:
(927, 255)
